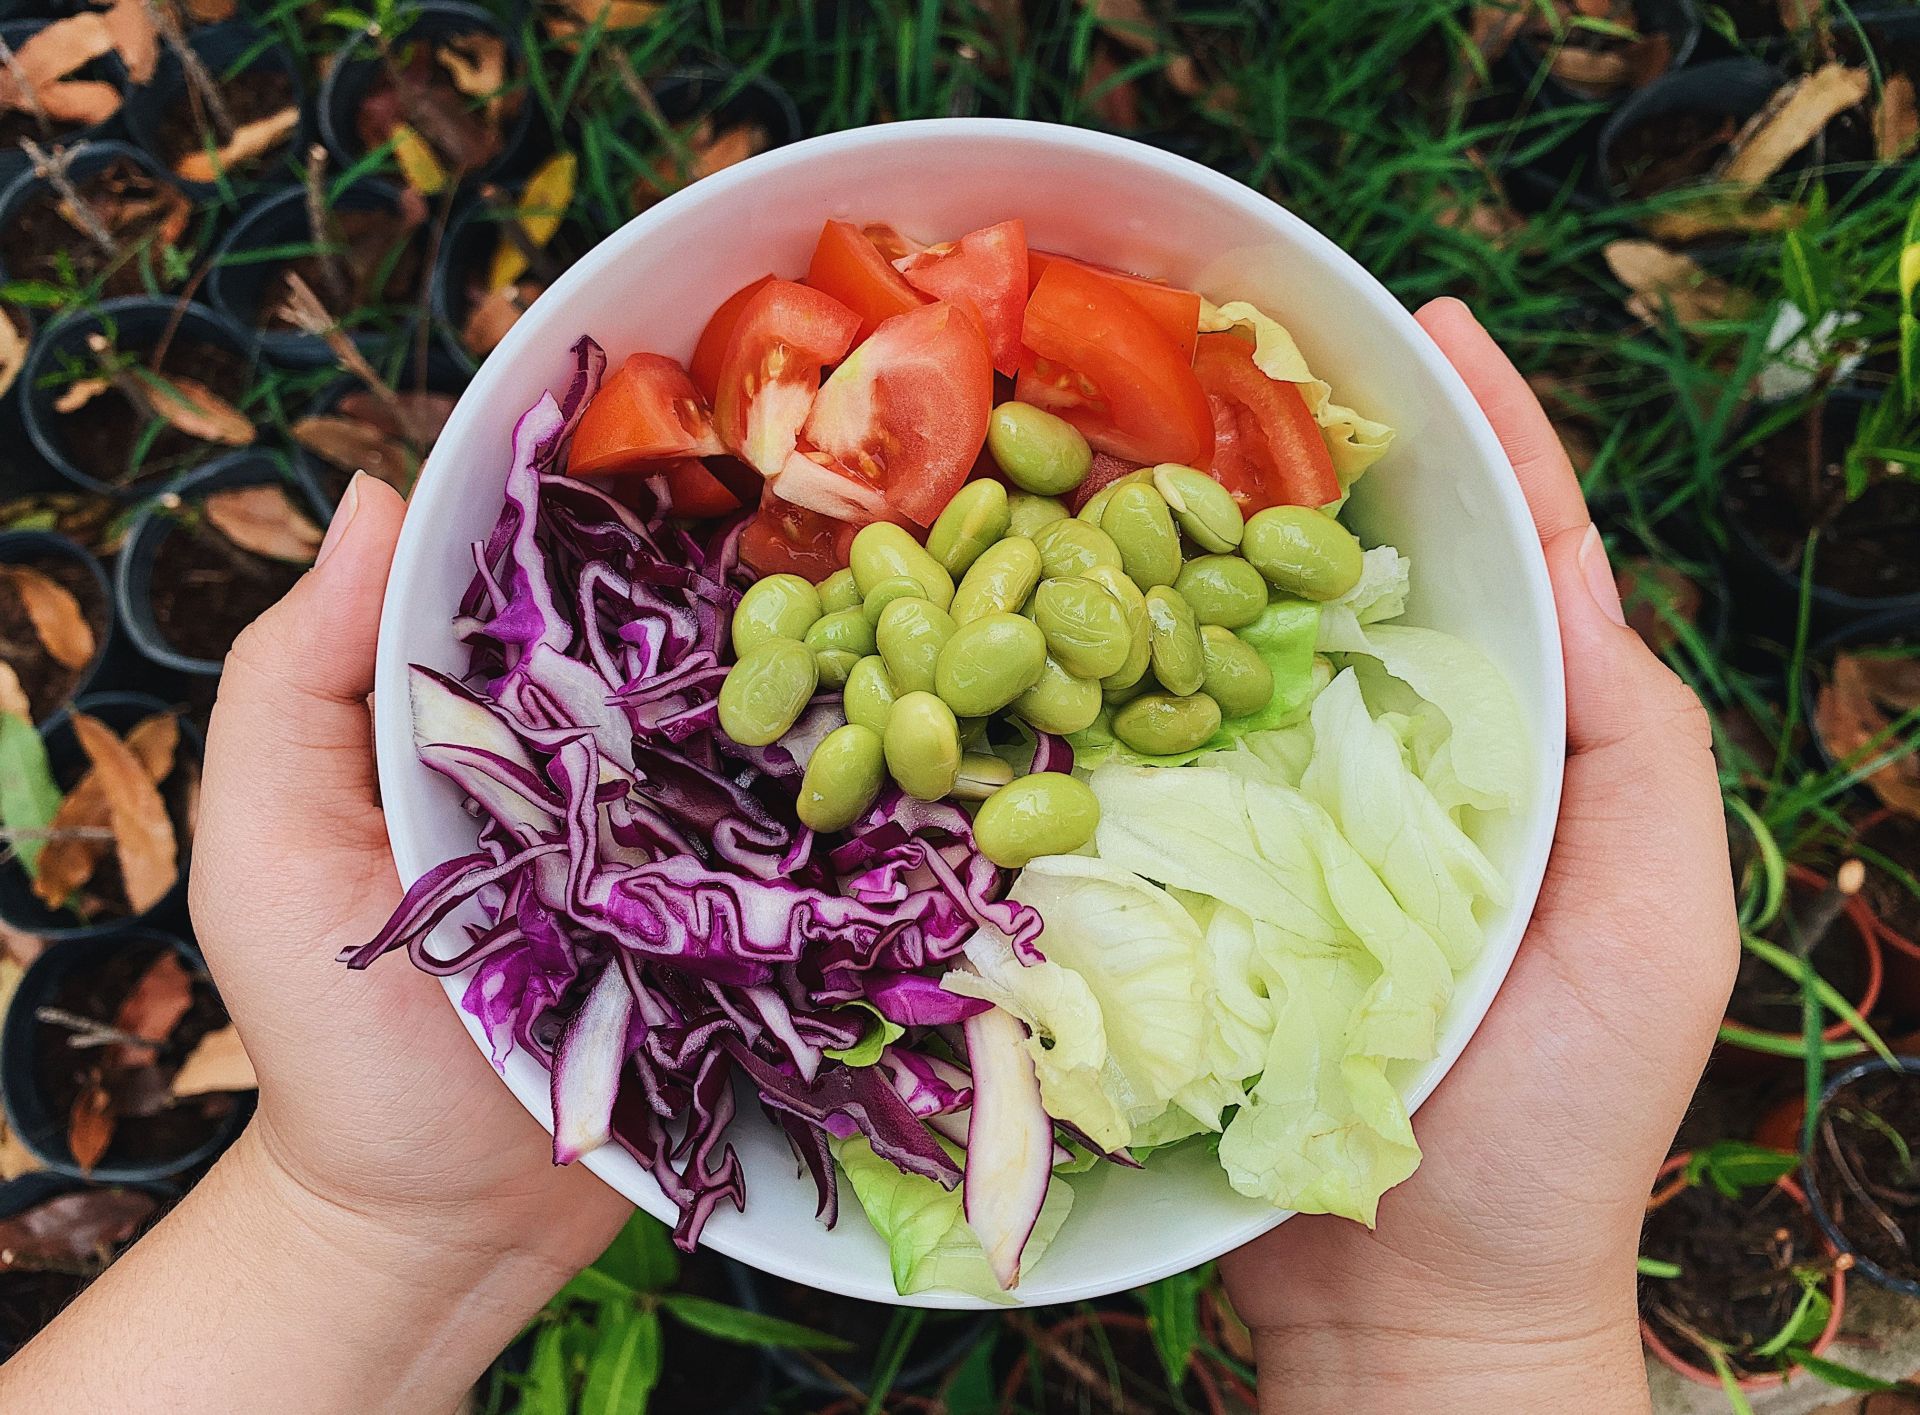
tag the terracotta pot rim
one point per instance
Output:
(1870, 931)
(1889, 935)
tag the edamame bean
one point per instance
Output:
(922, 746)
(766, 691)
(1205, 509)
(1159, 723)
(843, 776)
(1173, 641)
(1058, 701)
(843, 629)
(1073, 547)
(1222, 589)
(883, 550)
(1303, 551)
(1027, 513)
(981, 774)
(1096, 506)
(1038, 451)
(835, 666)
(999, 581)
(1140, 653)
(1047, 813)
(910, 635)
(869, 695)
(838, 591)
(977, 516)
(1141, 528)
(1086, 628)
(1117, 697)
(886, 592)
(1237, 677)
(988, 663)
(778, 607)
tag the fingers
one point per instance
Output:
(1546, 475)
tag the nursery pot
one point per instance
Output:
(20, 907)
(468, 247)
(1822, 1200)
(140, 323)
(44, 549)
(1678, 20)
(1729, 89)
(1899, 939)
(13, 161)
(1123, 1325)
(28, 1300)
(134, 572)
(941, 1342)
(443, 374)
(26, 188)
(32, 1108)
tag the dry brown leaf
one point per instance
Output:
(76, 1232)
(56, 615)
(1801, 14)
(135, 37)
(69, 858)
(264, 519)
(476, 62)
(1654, 597)
(1717, 215)
(1657, 277)
(90, 1123)
(83, 101)
(218, 1063)
(1855, 709)
(79, 393)
(489, 320)
(610, 14)
(15, 1160)
(61, 47)
(1792, 118)
(210, 12)
(195, 409)
(415, 416)
(13, 697)
(13, 351)
(249, 140)
(354, 446)
(1896, 121)
(152, 1010)
(143, 839)
(1128, 23)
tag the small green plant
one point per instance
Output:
(1887, 442)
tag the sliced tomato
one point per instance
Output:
(891, 243)
(1106, 470)
(712, 348)
(849, 267)
(985, 271)
(694, 492)
(784, 539)
(785, 335)
(1104, 366)
(1176, 311)
(1267, 449)
(647, 411)
(907, 412)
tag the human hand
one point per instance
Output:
(1501, 1275)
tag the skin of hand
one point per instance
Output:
(1501, 1275)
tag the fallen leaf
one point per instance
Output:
(476, 62)
(79, 393)
(135, 37)
(249, 140)
(1128, 24)
(152, 1010)
(264, 519)
(195, 409)
(1792, 118)
(1595, 73)
(143, 838)
(210, 12)
(1800, 14)
(1657, 599)
(80, 101)
(1855, 709)
(489, 320)
(1658, 278)
(13, 697)
(608, 14)
(354, 446)
(15, 1160)
(70, 856)
(419, 168)
(90, 1123)
(543, 201)
(56, 615)
(1716, 214)
(73, 1232)
(61, 47)
(13, 351)
(415, 415)
(218, 1063)
(1896, 121)
(29, 796)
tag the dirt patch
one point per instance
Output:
(48, 682)
(101, 436)
(141, 215)
(205, 589)
(1863, 1161)
(250, 96)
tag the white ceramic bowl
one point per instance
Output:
(1445, 495)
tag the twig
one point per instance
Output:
(51, 168)
(320, 228)
(128, 386)
(1074, 1365)
(199, 82)
(1830, 1139)
(1805, 936)
(304, 312)
(91, 1032)
(78, 832)
(27, 91)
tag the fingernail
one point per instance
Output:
(1599, 575)
(342, 518)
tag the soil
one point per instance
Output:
(205, 589)
(380, 265)
(1111, 1349)
(47, 681)
(1778, 492)
(171, 1130)
(702, 1374)
(1766, 999)
(100, 436)
(1898, 838)
(104, 895)
(38, 243)
(256, 93)
(1869, 1183)
(1668, 151)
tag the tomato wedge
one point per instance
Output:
(986, 272)
(712, 348)
(1176, 311)
(783, 539)
(849, 267)
(1267, 449)
(784, 336)
(907, 412)
(648, 410)
(693, 491)
(1105, 366)
(1106, 469)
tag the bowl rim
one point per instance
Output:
(393, 733)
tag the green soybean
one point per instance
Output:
(1116, 697)
(839, 591)
(835, 666)
(843, 776)
(977, 516)
(766, 691)
(1027, 513)
(1204, 509)
(1073, 547)
(1222, 589)
(869, 694)
(846, 629)
(882, 550)
(886, 592)
(1303, 551)
(981, 774)
(910, 635)
(988, 663)
(1086, 628)
(1139, 654)
(1173, 641)
(1141, 528)
(922, 746)
(999, 581)
(1047, 813)
(1038, 451)
(1159, 724)
(1237, 678)
(778, 607)
(1096, 506)
(1058, 701)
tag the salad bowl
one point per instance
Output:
(1444, 494)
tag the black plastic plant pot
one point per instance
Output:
(16, 124)
(1895, 629)
(247, 289)
(256, 77)
(443, 374)
(73, 566)
(355, 67)
(1832, 1202)
(202, 343)
(26, 471)
(1677, 20)
(177, 1138)
(1701, 103)
(460, 275)
(30, 1298)
(165, 563)
(943, 1339)
(20, 907)
(59, 242)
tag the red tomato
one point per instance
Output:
(890, 242)
(695, 492)
(1105, 366)
(783, 539)
(648, 410)
(1267, 449)
(1176, 311)
(712, 348)
(849, 267)
(1106, 468)
(985, 272)
(784, 336)
(907, 412)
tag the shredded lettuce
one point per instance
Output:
(880, 1033)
